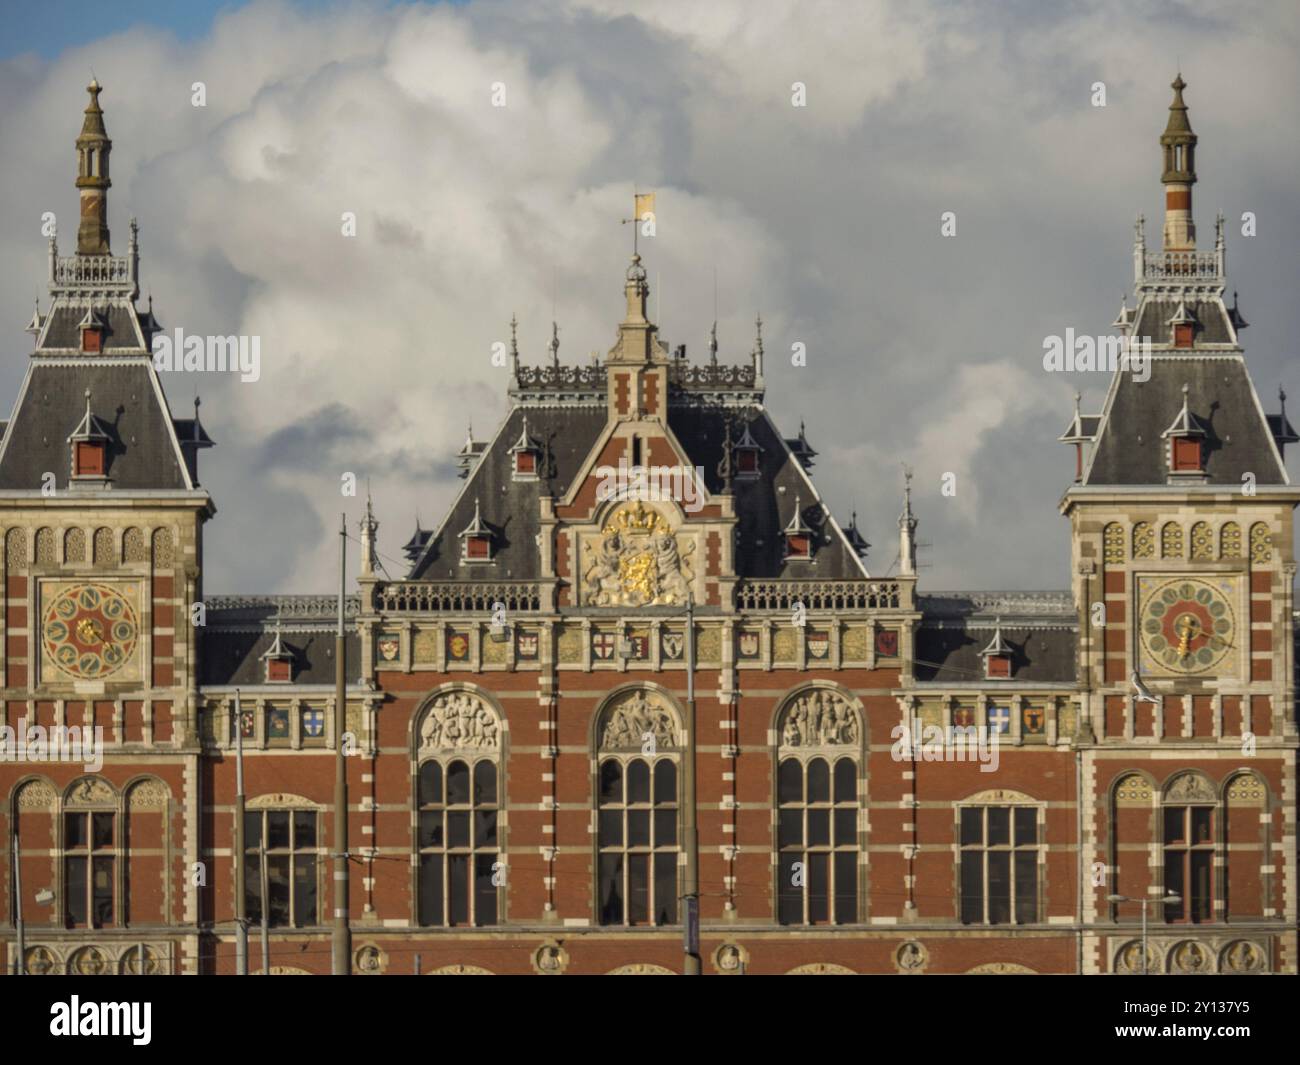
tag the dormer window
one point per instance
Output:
(748, 454)
(1183, 325)
(278, 660)
(93, 327)
(89, 444)
(525, 455)
(798, 537)
(1186, 443)
(997, 656)
(476, 540)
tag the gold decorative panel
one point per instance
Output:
(1113, 544)
(425, 646)
(785, 645)
(853, 644)
(568, 643)
(1144, 540)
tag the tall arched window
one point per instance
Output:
(818, 839)
(1188, 840)
(92, 846)
(458, 799)
(637, 806)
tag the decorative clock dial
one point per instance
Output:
(89, 631)
(1188, 625)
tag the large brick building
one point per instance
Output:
(519, 706)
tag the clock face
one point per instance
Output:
(1188, 625)
(89, 631)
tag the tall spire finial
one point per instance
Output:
(907, 530)
(514, 347)
(555, 345)
(1178, 145)
(93, 150)
(713, 344)
(758, 349)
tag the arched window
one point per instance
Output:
(1188, 840)
(818, 838)
(637, 806)
(92, 846)
(999, 843)
(458, 842)
(458, 800)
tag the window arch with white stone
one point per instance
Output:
(820, 789)
(638, 739)
(459, 809)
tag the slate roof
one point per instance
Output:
(509, 508)
(62, 331)
(956, 626)
(1211, 317)
(126, 397)
(241, 629)
(1130, 451)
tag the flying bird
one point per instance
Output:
(1143, 693)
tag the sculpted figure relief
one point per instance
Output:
(459, 720)
(629, 723)
(819, 719)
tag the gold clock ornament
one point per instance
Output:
(89, 631)
(1187, 625)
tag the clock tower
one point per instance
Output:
(1183, 566)
(102, 515)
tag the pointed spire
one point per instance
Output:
(1178, 145)
(713, 344)
(907, 530)
(856, 540)
(93, 150)
(514, 348)
(369, 527)
(554, 346)
(758, 349)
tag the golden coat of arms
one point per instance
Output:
(637, 561)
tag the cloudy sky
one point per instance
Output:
(922, 349)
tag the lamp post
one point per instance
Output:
(1168, 900)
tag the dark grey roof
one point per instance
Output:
(142, 452)
(765, 505)
(1130, 450)
(509, 508)
(64, 329)
(234, 656)
(1211, 320)
(948, 652)
(240, 629)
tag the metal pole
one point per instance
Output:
(241, 870)
(266, 909)
(690, 828)
(341, 942)
(20, 962)
(1144, 936)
